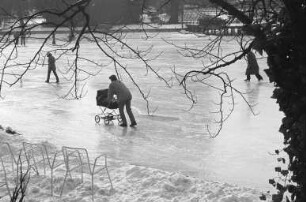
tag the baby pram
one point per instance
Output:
(108, 109)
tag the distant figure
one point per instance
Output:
(252, 67)
(51, 67)
(53, 39)
(22, 33)
(124, 98)
(71, 36)
(22, 38)
(16, 37)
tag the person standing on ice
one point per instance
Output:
(252, 67)
(124, 98)
(51, 67)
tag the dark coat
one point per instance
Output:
(51, 62)
(252, 67)
(119, 89)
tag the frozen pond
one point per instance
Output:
(174, 138)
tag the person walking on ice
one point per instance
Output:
(124, 98)
(252, 67)
(51, 67)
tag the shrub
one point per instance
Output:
(210, 22)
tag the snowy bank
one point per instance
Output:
(130, 183)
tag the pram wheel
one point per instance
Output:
(106, 121)
(97, 118)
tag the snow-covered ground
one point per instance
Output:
(130, 183)
(163, 149)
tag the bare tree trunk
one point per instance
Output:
(174, 11)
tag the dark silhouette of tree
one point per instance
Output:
(14, 8)
(116, 11)
(58, 6)
(175, 9)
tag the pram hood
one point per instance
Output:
(103, 101)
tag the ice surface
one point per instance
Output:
(175, 138)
